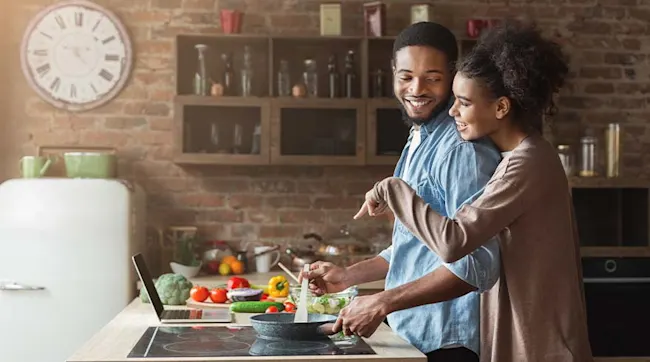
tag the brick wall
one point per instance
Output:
(608, 40)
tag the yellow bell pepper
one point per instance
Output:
(278, 287)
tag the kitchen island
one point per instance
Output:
(114, 342)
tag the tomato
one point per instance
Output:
(219, 295)
(264, 296)
(199, 293)
(289, 307)
(238, 282)
(272, 309)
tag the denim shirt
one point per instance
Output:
(446, 172)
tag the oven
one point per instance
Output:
(617, 295)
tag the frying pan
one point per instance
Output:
(280, 326)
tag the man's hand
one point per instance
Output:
(325, 277)
(371, 206)
(361, 317)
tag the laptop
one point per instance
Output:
(185, 315)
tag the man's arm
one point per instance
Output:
(438, 286)
(367, 271)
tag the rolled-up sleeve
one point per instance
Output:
(462, 177)
(387, 253)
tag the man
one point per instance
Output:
(431, 304)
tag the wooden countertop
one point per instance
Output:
(114, 342)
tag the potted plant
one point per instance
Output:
(186, 262)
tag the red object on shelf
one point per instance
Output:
(231, 21)
(475, 27)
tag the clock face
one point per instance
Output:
(76, 55)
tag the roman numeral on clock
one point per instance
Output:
(111, 57)
(43, 69)
(41, 52)
(55, 84)
(59, 20)
(106, 75)
(73, 91)
(109, 39)
(79, 19)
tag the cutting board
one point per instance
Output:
(209, 304)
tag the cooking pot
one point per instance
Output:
(281, 326)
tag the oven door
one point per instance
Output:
(617, 294)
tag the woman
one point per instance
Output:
(536, 311)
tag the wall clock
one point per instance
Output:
(76, 55)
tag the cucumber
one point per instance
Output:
(254, 307)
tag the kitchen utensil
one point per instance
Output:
(286, 270)
(300, 257)
(281, 326)
(301, 313)
(263, 255)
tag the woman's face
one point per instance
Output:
(475, 112)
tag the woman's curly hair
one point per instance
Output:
(515, 61)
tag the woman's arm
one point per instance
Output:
(473, 224)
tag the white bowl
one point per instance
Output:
(184, 270)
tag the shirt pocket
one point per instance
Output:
(426, 190)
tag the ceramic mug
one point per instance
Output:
(34, 166)
(263, 263)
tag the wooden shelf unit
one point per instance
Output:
(373, 108)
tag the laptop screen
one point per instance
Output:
(145, 277)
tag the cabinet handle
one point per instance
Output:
(13, 286)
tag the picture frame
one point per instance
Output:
(374, 15)
(330, 19)
(421, 12)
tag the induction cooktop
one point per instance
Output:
(222, 341)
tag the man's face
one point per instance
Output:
(422, 81)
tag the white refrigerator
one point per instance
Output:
(65, 266)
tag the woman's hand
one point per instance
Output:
(371, 206)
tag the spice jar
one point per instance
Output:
(588, 145)
(566, 157)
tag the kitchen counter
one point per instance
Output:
(114, 342)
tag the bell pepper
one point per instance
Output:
(278, 287)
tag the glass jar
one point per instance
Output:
(284, 79)
(588, 145)
(613, 135)
(310, 78)
(247, 73)
(566, 156)
(201, 81)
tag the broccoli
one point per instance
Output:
(174, 289)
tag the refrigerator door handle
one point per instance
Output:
(13, 286)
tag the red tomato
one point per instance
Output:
(289, 307)
(199, 293)
(272, 309)
(219, 295)
(238, 282)
(264, 296)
